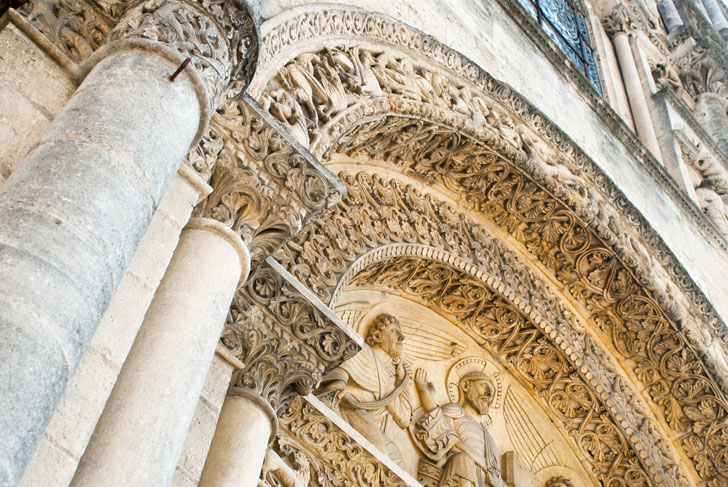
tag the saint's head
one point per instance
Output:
(477, 390)
(385, 332)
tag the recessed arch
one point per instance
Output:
(525, 176)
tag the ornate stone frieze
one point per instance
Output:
(377, 211)
(295, 30)
(74, 26)
(309, 431)
(265, 186)
(506, 332)
(285, 336)
(703, 71)
(220, 37)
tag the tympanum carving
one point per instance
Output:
(452, 437)
(371, 390)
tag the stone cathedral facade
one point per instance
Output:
(287, 243)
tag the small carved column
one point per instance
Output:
(618, 25)
(287, 339)
(670, 16)
(75, 209)
(143, 428)
(710, 111)
(715, 14)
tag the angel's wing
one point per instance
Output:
(425, 342)
(533, 450)
(422, 340)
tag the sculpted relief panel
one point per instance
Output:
(441, 415)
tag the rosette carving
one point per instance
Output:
(285, 337)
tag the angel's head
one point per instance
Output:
(385, 332)
(477, 390)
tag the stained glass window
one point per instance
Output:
(564, 23)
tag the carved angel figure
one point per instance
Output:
(374, 385)
(452, 437)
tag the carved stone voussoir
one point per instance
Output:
(334, 456)
(285, 336)
(266, 187)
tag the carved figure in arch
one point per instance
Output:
(452, 435)
(287, 109)
(372, 387)
(713, 205)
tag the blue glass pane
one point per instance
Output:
(562, 18)
(583, 30)
(530, 8)
(591, 70)
(564, 47)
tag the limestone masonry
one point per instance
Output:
(289, 243)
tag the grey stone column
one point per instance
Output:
(710, 111)
(637, 101)
(670, 16)
(236, 454)
(715, 14)
(142, 431)
(75, 209)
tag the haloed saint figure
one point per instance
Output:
(453, 435)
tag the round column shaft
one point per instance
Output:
(71, 217)
(142, 431)
(715, 13)
(633, 86)
(246, 424)
(711, 113)
(670, 16)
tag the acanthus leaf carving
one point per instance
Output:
(285, 337)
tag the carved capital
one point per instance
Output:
(702, 70)
(286, 337)
(265, 186)
(620, 19)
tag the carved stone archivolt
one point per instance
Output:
(476, 138)
(285, 337)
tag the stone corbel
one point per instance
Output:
(284, 335)
(266, 186)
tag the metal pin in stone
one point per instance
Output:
(179, 70)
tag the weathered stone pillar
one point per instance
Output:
(75, 209)
(236, 454)
(710, 111)
(715, 14)
(670, 16)
(618, 24)
(287, 340)
(143, 428)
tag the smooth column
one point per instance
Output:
(142, 431)
(244, 428)
(711, 112)
(637, 102)
(670, 16)
(71, 216)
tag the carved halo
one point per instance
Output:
(467, 366)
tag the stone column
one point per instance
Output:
(287, 340)
(75, 209)
(715, 14)
(670, 16)
(236, 454)
(710, 111)
(143, 428)
(618, 24)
